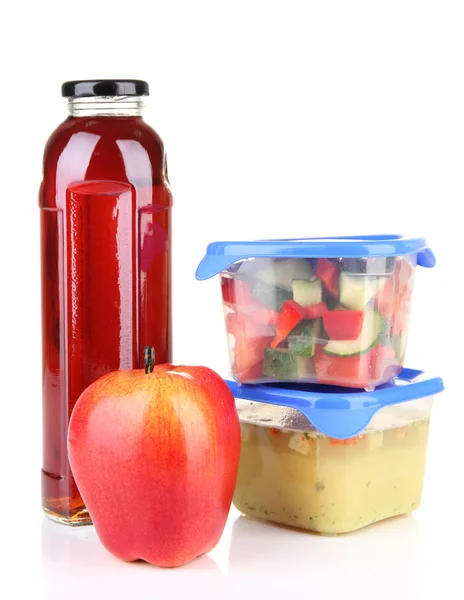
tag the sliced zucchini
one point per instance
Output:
(304, 368)
(281, 272)
(279, 364)
(307, 293)
(302, 340)
(368, 338)
(356, 291)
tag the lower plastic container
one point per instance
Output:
(333, 460)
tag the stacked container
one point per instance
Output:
(334, 431)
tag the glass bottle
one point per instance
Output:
(105, 252)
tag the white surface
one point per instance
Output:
(396, 559)
(280, 119)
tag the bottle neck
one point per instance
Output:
(106, 106)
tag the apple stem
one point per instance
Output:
(149, 359)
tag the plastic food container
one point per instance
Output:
(333, 461)
(332, 310)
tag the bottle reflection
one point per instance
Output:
(75, 566)
(154, 242)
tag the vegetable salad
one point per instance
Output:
(334, 321)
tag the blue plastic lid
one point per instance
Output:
(220, 255)
(341, 412)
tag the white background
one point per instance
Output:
(280, 119)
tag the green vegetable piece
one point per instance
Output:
(307, 293)
(279, 364)
(304, 367)
(355, 291)
(320, 485)
(302, 339)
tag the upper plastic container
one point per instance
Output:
(325, 310)
(333, 460)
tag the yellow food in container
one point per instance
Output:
(296, 472)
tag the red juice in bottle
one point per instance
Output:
(105, 250)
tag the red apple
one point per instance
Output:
(155, 457)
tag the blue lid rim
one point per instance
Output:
(339, 412)
(220, 255)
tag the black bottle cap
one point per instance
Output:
(104, 87)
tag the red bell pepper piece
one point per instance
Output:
(343, 324)
(328, 273)
(235, 292)
(292, 314)
(353, 441)
(315, 311)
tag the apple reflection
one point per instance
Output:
(77, 566)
